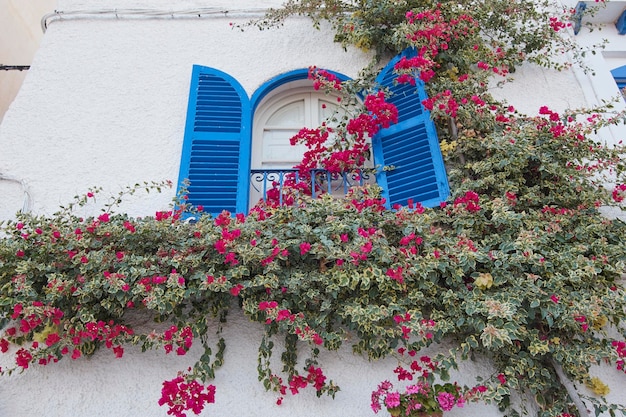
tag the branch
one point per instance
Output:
(571, 389)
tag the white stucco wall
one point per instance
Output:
(104, 104)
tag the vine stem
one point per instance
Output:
(454, 135)
(571, 389)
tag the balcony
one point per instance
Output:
(278, 185)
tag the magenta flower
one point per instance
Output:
(446, 401)
(182, 394)
(304, 247)
(52, 339)
(392, 400)
(23, 358)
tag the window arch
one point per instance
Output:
(281, 117)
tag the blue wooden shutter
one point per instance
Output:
(216, 148)
(620, 24)
(408, 153)
(619, 74)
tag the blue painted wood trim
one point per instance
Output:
(621, 23)
(284, 78)
(577, 18)
(619, 74)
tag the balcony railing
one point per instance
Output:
(320, 181)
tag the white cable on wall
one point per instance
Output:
(27, 204)
(148, 14)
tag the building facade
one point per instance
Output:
(105, 103)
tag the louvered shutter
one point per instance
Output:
(408, 153)
(216, 148)
(619, 74)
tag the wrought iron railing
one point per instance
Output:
(275, 181)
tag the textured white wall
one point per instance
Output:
(104, 105)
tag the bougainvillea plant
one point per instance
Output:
(519, 266)
(422, 394)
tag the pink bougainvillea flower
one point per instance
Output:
(23, 358)
(118, 351)
(304, 247)
(236, 290)
(392, 400)
(317, 339)
(264, 305)
(231, 258)
(17, 310)
(446, 400)
(52, 338)
(129, 226)
(183, 393)
(283, 315)
(396, 274)
(76, 354)
(4, 345)
(220, 246)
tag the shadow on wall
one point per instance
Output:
(20, 21)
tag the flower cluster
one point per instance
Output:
(343, 148)
(295, 321)
(182, 338)
(431, 33)
(185, 393)
(323, 79)
(421, 393)
(314, 376)
(468, 202)
(557, 24)
(620, 348)
(51, 342)
(619, 193)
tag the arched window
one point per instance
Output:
(227, 134)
